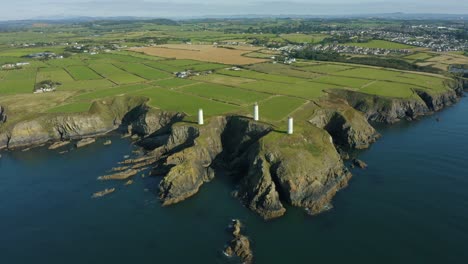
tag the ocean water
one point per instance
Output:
(409, 206)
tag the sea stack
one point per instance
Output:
(290, 125)
(200, 116)
(256, 113)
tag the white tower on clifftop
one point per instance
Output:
(290, 125)
(256, 114)
(200, 116)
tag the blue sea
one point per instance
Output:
(409, 206)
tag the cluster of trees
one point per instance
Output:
(310, 54)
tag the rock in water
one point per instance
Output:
(85, 142)
(239, 245)
(59, 144)
(104, 192)
(359, 163)
(122, 175)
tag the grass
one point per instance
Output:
(83, 73)
(303, 38)
(18, 81)
(174, 83)
(326, 68)
(144, 71)
(86, 85)
(261, 76)
(54, 74)
(176, 101)
(70, 108)
(102, 93)
(419, 56)
(389, 89)
(225, 93)
(346, 82)
(115, 74)
(283, 70)
(382, 44)
(279, 107)
(308, 90)
(222, 79)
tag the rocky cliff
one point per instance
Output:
(271, 168)
(103, 116)
(348, 127)
(3, 116)
(391, 110)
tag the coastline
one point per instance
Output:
(188, 155)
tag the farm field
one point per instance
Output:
(115, 74)
(225, 93)
(143, 71)
(279, 89)
(18, 81)
(382, 44)
(200, 52)
(303, 38)
(83, 73)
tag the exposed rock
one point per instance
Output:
(3, 116)
(58, 144)
(348, 127)
(391, 110)
(103, 193)
(85, 142)
(108, 142)
(123, 175)
(144, 121)
(129, 182)
(239, 245)
(189, 168)
(305, 169)
(437, 101)
(103, 117)
(359, 163)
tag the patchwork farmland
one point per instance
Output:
(279, 89)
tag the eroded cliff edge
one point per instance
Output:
(270, 168)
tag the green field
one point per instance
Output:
(326, 68)
(380, 44)
(18, 81)
(115, 74)
(279, 107)
(181, 102)
(70, 108)
(144, 71)
(83, 73)
(225, 93)
(303, 38)
(55, 74)
(419, 56)
(279, 89)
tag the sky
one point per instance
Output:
(25, 9)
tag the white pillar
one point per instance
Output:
(256, 115)
(200, 116)
(290, 126)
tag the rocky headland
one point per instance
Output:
(269, 167)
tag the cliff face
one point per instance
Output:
(3, 116)
(270, 168)
(391, 110)
(190, 165)
(348, 127)
(103, 116)
(304, 169)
